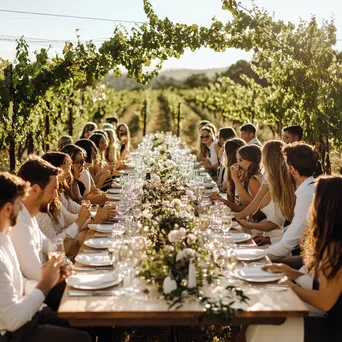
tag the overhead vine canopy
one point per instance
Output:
(304, 74)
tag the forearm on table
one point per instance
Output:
(264, 226)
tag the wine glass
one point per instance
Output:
(136, 213)
(226, 224)
(125, 264)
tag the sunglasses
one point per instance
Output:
(205, 136)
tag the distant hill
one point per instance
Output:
(176, 75)
(182, 74)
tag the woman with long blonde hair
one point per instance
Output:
(277, 200)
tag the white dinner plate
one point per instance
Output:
(94, 259)
(257, 275)
(93, 281)
(114, 191)
(99, 243)
(209, 185)
(115, 197)
(247, 254)
(127, 171)
(102, 228)
(240, 237)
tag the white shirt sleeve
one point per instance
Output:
(26, 250)
(291, 237)
(15, 310)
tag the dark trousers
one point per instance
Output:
(55, 295)
(318, 329)
(46, 326)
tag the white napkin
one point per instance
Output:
(91, 279)
(256, 272)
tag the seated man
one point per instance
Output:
(292, 134)
(301, 159)
(23, 317)
(30, 244)
(248, 134)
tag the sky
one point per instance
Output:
(199, 12)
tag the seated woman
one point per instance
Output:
(59, 221)
(89, 165)
(88, 129)
(278, 203)
(201, 149)
(86, 189)
(111, 153)
(124, 136)
(322, 251)
(225, 134)
(211, 161)
(64, 140)
(230, 147)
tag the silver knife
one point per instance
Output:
(79, 293)
(96, 268)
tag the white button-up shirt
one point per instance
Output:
(291, 238)
(254, 141)
(30, 244)
(17, 305)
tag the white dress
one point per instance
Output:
(72, 206)
(87, 180)
(64, 227)
(212, 157)
(273, 214)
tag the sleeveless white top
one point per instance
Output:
(273, 214)
(212, 157)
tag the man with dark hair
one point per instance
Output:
(225, 134)
(113, 120)
(22, 315)
(301, 160)
(248, 134)
(292, 134)
(29, 242)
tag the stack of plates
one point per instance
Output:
(209, 185)
(257, 275)
(102, 228)
(114, 191)
(240, 237)
(93, 281)
(94, 259)
(100, 243)
(114, 197)
(251, 254)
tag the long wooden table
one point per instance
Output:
(264, 307)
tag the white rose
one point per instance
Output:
(155, 178)
(175, 236)
(185, 253)
(191, 239)
(165, 204)
(169, 285)
(170, 163)
(180, 255)
(148, 170)
(190, 253)
(182, 231)
(176, 202)
(189, 193)
(158, 166)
